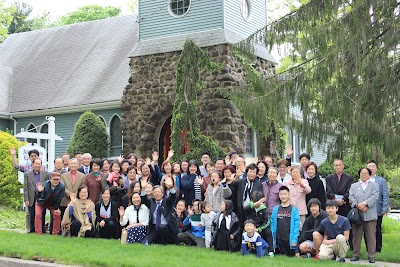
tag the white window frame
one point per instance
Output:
(246, 9)
(172, 12)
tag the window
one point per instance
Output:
(104, 121)
(179, 8)
(44, 129)
(250, 142)
(245, 7)
(294, 140)
(115, 137)
(32, 129)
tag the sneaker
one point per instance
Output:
(306, 256)
(342, 260)
(271, 255)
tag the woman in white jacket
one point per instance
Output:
(137, 216)
(217, 191)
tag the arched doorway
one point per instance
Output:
(165, 141)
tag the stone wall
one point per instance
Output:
(147, 101)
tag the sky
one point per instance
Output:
(58, 8)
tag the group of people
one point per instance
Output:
(262, 208)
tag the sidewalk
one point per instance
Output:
(13, 262)
(377, 263)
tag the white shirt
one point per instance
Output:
(131, 213)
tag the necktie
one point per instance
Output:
(86, 170)
(158, 215)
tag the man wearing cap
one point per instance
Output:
(49, 195)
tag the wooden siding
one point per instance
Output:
(65, 125)
(156, 21)
(234, 20)
(6, 124)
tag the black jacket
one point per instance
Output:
(167, 208)
(59, 191)
(310, 225)
(317, 190)
(113, 215)
(260, 217)
(238, 191)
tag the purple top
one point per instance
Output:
(271, 193)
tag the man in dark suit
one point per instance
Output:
(161, 225)
(85, 168)
(338, 188)
(244, 188)
(382, 206)
(31, 178)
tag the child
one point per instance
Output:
(226, 228)
(217, 190)
(258, 213)
(193, 222)
(311, 239)
(207, 218)
(179, 216)
(336, 229)
(285, 224)
(252, 241)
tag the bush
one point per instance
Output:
(390, 225)
(90, 136)
(10, 195)
(351, 166)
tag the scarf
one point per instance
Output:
(96, 174)
(81, 214)
(113, 178)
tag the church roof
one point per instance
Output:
(202, 39)
(73, 65)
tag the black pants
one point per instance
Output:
(76, 227)
(378, 235)
(163, 236)
(266, 234)
(109, 230)
(284, 248)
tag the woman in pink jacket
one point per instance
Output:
(299, 188)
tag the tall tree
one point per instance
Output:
(20, 22)
(5, 19)
(347, 83)
(89, 13)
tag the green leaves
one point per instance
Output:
(10, 195)
(90, 136)
(184, 114)
(344, 76)
(89, 13)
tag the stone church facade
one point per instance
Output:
(148, 99)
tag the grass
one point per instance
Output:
(99, 252)
(11, 219)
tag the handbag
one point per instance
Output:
(124, 236)
(355, 216)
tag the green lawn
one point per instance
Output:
(99, 252)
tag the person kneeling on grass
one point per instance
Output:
(310, 239)
(285, 224)
(336, 229)
(193, 222)
(252, 241)
(48, 196)
(80, 216)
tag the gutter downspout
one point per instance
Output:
(15, 124)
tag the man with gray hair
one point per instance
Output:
(85, 168)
